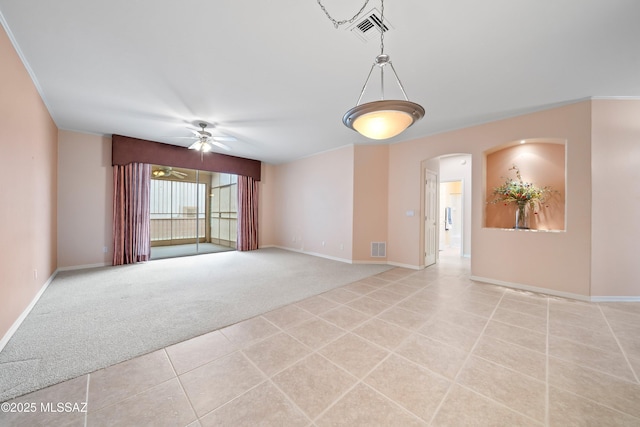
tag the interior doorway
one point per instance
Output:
(447, 214)
(191, 212)
(451, 225)
(454, 225)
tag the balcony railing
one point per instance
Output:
(177, 228)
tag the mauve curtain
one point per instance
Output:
(247, 213)
(131, 219)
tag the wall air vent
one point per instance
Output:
(370, 26)
(378, 249)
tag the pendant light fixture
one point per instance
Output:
(384, 118)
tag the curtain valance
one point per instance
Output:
(127, 150)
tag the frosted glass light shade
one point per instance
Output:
(382, 124)
(383, 119)
(200, 145)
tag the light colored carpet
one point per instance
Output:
(89, 319)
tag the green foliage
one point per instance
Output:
(520, 192)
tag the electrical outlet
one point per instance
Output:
(35, 274)
(105, 250)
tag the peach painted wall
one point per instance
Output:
(370, 194)
(28, 138)
(266, 206)
(616, 198)
(540, 163)
(85, 191)
(313, 203)
(500, 255)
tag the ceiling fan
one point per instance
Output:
(166, 172)
(206, 140)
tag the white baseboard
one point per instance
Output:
(532, 288)
(348, 261)
(301, 251)
(615, 299)
(558, 293)
(399, 264)
(370, 262)
(83, 267)
(12, 330)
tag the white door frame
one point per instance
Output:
(426, 210)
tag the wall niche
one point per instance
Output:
(542, 163)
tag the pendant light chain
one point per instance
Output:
(344, 21)
(337, 23)
(382, 28)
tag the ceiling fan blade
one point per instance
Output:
(225, 138)
(220, 144)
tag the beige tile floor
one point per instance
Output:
(401, 348)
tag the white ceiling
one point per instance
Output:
(278, 76)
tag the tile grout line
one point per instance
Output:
(466, 360)
(360, 380)
(86, 414)
(128, 397)
(500, 404)
(475, 392)
(624, 353)
(547, 414)
(288, 399)
(316, 351)
(181, 385)
(204, 363)
(599, 403)
(392, 352)
(239, 348)
(267, 379)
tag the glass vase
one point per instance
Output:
(522, 216)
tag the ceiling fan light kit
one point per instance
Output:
(206, 140)
(166, 172)
(381, 119)
(200, 146)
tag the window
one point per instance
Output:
(224, 209)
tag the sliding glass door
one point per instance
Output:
(177, 212)
(192, 212)
(224, 209)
